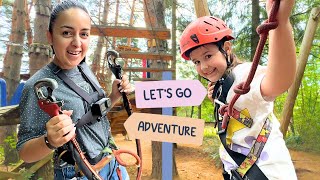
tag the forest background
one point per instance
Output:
(239, 15)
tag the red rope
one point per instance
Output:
(244, 87)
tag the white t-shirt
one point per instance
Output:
(274, 161)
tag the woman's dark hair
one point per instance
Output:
(65, 5)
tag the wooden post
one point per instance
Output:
(201, 7)
(174, 37)
(302, 61)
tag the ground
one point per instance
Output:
(194, 163)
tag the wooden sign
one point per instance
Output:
(164, 128)
(169, 93)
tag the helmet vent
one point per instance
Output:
(194, 38)
(217, 27)
(214, 18)
(208, 23)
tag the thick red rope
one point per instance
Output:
(244, 87)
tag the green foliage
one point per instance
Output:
(209, 132)
(11, 141)
(1, 154)
(211, 146)
(25, 174)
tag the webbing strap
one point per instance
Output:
(254, 172)
(84, 69)
(75, 88)
(95, 96)
(257, 148)
(58, 71)
(220, 92)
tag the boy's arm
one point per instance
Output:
(281, 66)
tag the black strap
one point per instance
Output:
(84, 69)
(58, 71)
(220, 92)
(95, 96)
(87, 118)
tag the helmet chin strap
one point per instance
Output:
(220, 44)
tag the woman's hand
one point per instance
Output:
(284, 11)
(124, 86)
(60, 129)
(210, 88)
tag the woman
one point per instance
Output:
(39, 134)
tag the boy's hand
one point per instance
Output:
(210, 88)
(285, 9)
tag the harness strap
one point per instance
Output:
(93, 97)
(58, 71)
(253, 172)
(78, 157)
(257, 148)
(220, 92)
(84, 69)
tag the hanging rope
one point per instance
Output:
(244, 87)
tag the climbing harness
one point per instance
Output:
(99, 108)
(116, 69)
(52, 107)
(247, 167)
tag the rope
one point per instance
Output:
(244, 87)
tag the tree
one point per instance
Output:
(154, 18)
(255, 23)
(40, 51)
(101, 68)
(11, 72)
(40, 54)
(303, 58)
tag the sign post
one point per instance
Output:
(169, 93)
(166, 128)
(167, 148)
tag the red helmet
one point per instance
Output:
(204, 30)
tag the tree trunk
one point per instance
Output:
(40, 54)
(174, 37)
(114, 39)
(302, 62)
(40, 51)
(129, 40)
(11, 74)
(27, 23)
(154, 18)
(97, 66)
(255, 23)
(12, 62)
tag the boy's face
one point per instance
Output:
(210, 63)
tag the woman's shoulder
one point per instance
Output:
(44, 72)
